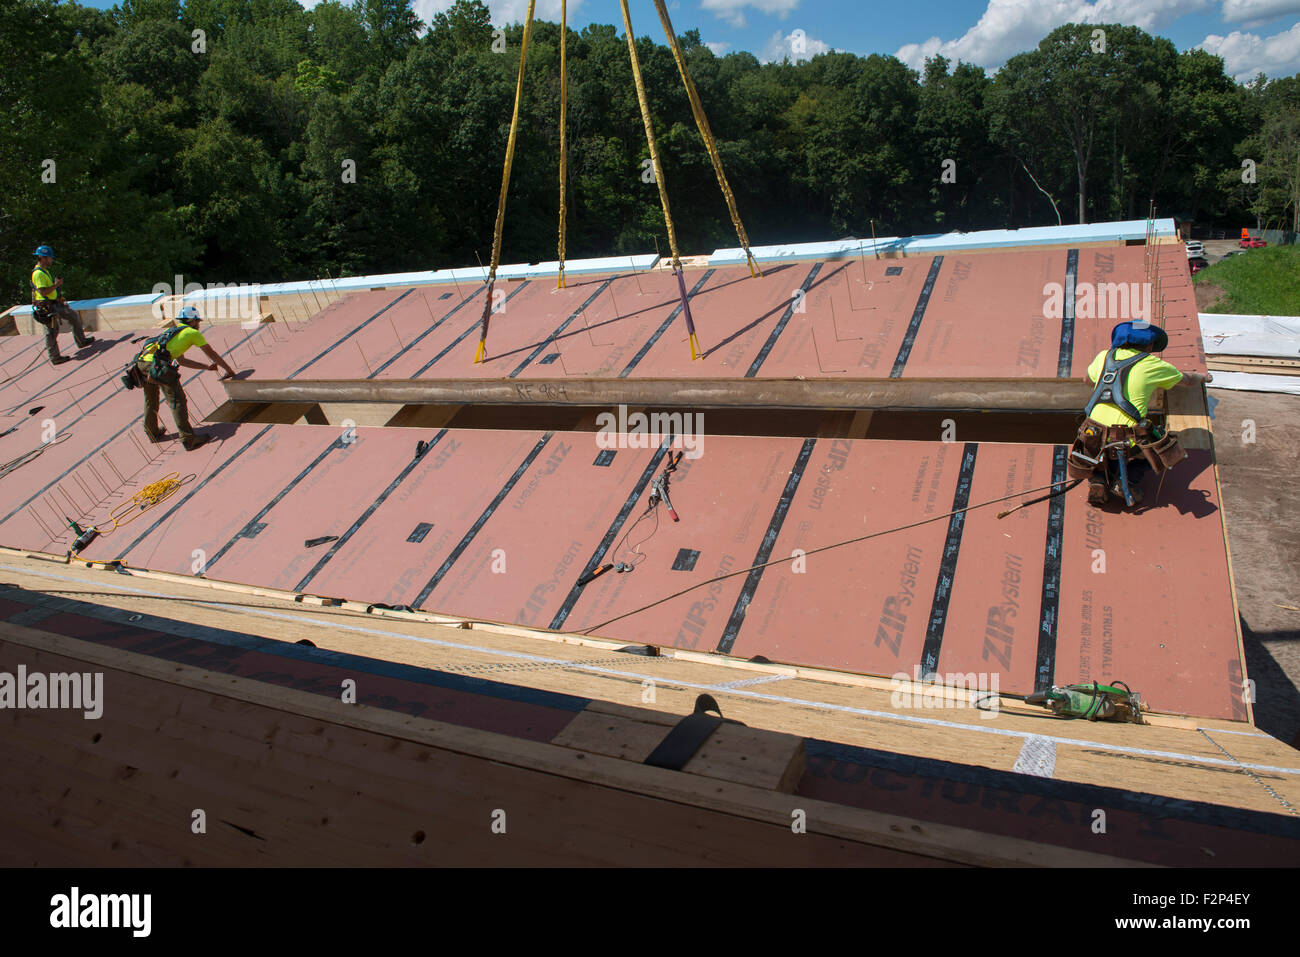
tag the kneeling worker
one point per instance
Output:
(159, 371)
(1126, 376)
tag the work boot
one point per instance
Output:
(1136, 492)
(1097, 494)
(85, 342)
(197, 442)
(59, 360)
(154, 437)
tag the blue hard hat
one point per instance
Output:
(1139, 335)
(44, 251)
(189, 314)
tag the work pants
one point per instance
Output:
(174, 393)
(49, 314)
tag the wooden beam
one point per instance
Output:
(1020, 395)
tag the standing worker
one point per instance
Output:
(49, 306)
(1126, 376)
(158, 370)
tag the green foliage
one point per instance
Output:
(226, 155)
(1259, 282)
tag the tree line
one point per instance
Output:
(254, 140)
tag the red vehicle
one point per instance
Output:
(1250, 243)
(1197, 264)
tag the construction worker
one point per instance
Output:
(1126, 376)
(49, 306)
(158, 368)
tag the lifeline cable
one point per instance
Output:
(823, 548)
(31, 455)
(23, 371)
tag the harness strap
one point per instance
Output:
(1112, 385)
(161, 363)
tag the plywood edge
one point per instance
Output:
(1188, 415)
(1232, 588)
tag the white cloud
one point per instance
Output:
(1250, 13)
(720, 48)
(733, 11)
(794, 46)
(1246, 54)
(1009, 27)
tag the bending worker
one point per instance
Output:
(1117, 440)
(49, 306)
(158, 370)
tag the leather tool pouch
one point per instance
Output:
(1164, 453)
(1086, 451)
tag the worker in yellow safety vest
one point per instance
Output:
(156, 370)
(49, 306)
(1117, 443)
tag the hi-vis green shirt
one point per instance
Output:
(1143, 379)
(41, 278)
(180, 342)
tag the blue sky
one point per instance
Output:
(1251, 35)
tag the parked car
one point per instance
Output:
(1197, 264)
(1195, 250)
(1252, 243)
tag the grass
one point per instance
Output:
(1259, 282)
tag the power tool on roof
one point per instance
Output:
(659, 486)
(1096, 702)
(84, 536)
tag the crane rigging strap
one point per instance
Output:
(659, 179)
(706, 133)
(480, 354)
(564, 110)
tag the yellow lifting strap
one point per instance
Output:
(702, 121)
(659, 177)
(564, 109)
(480, 354)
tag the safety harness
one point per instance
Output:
(41, 307)
(162, 366)
(1115, 370)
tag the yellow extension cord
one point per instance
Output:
(155, 493)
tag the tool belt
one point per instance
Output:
(1160, 450)
(46, 313)
(159, 367)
